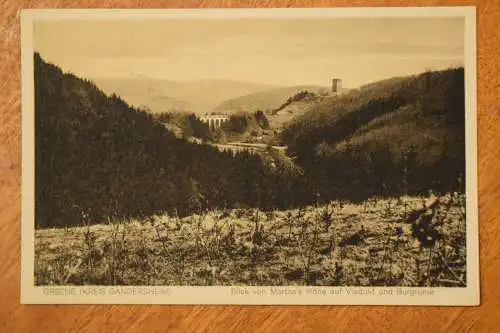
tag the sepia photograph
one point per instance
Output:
(238, 149)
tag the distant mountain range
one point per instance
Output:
(158, 95)
(199, 96)
(144, 93)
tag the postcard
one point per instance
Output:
(249, 156)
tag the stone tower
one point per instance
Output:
(336, 85)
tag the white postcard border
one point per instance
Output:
(302, 295)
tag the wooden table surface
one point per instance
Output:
(82, 318)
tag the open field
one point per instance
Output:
(369, 244)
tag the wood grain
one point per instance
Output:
(28, 318)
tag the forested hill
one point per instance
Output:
(394, 136)
(98, 158)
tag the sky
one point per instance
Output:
(273, 51)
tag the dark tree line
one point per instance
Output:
(241, 122)
(303, 94)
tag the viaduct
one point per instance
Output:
(214, 121)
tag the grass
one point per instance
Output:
(334, 244)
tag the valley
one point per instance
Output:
(288, 187)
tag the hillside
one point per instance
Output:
(160, 95)
(397, 135)
(265, 100)
(293, 107)
(97, 158)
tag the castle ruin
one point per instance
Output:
(336, 86)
